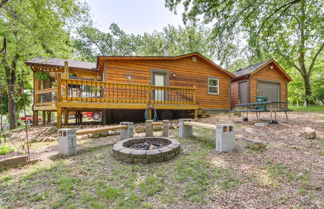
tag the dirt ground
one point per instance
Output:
(288, 173)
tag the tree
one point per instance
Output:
(176, 40)
(91, 42)
(289, 30)
(34, 28)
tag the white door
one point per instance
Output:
(159, 80)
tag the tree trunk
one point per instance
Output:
(11, 82)
(308, 89)
(12, 107)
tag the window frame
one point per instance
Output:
(213, 78)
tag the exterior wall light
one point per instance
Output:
(129, 77)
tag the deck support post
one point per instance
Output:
(49, 117)
(149, 128)
(44, 117)
(184, 130)
(66, 117)
(195, 114)
(127, 133)
(149, 113)
(59, 117)
(35, 118)
(165, 128)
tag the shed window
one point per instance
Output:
(213, 86)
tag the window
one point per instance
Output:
(213, 86)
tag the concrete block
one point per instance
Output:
(149, 128)
(67, 144)
(225, 137)
(165, 130)
(127, 133)
(184, 130)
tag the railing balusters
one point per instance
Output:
(97, 91)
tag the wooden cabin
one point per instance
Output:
(189, 82)
(266, 78)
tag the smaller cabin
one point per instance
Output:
(266, 78)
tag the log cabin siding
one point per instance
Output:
(188, 73)
(268, 74)
(235, 92)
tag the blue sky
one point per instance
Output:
(132, 16)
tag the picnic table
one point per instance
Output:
(259, 107)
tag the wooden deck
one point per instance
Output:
(83, 94)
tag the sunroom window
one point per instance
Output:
(213, 86)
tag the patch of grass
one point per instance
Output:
(195, 172)
(280, 171)
(6, 149)
(317, 108)
(33, 173)
(67, 184)
(39, 197)
(151, 185)
(109, 192)
(5, 181)
(229, 183)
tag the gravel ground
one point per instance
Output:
(289, 173)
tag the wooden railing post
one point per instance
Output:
(195, 94)
(149, 93)
(66, 70)
(36, 87)
(59, 88)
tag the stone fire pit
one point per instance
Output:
(146, 149)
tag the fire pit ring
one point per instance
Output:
(146, 149)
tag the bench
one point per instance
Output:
(224, 133)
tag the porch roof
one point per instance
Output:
(55, 62)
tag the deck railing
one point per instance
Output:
(108, 92)
(45, 97)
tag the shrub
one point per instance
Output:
(6, 149)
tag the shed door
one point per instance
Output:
(243, 92)
(270, 90)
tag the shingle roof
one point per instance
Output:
(250, 69)
(60, 63)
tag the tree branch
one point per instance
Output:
(314, 59)
(273, 13)
(286, 57)
(3, 2)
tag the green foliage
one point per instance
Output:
(34, 28)
(171, 41)
(92, 42)
(4, 103)
(319, 108)
(6, 149)
(289, 31)
(43, 76)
